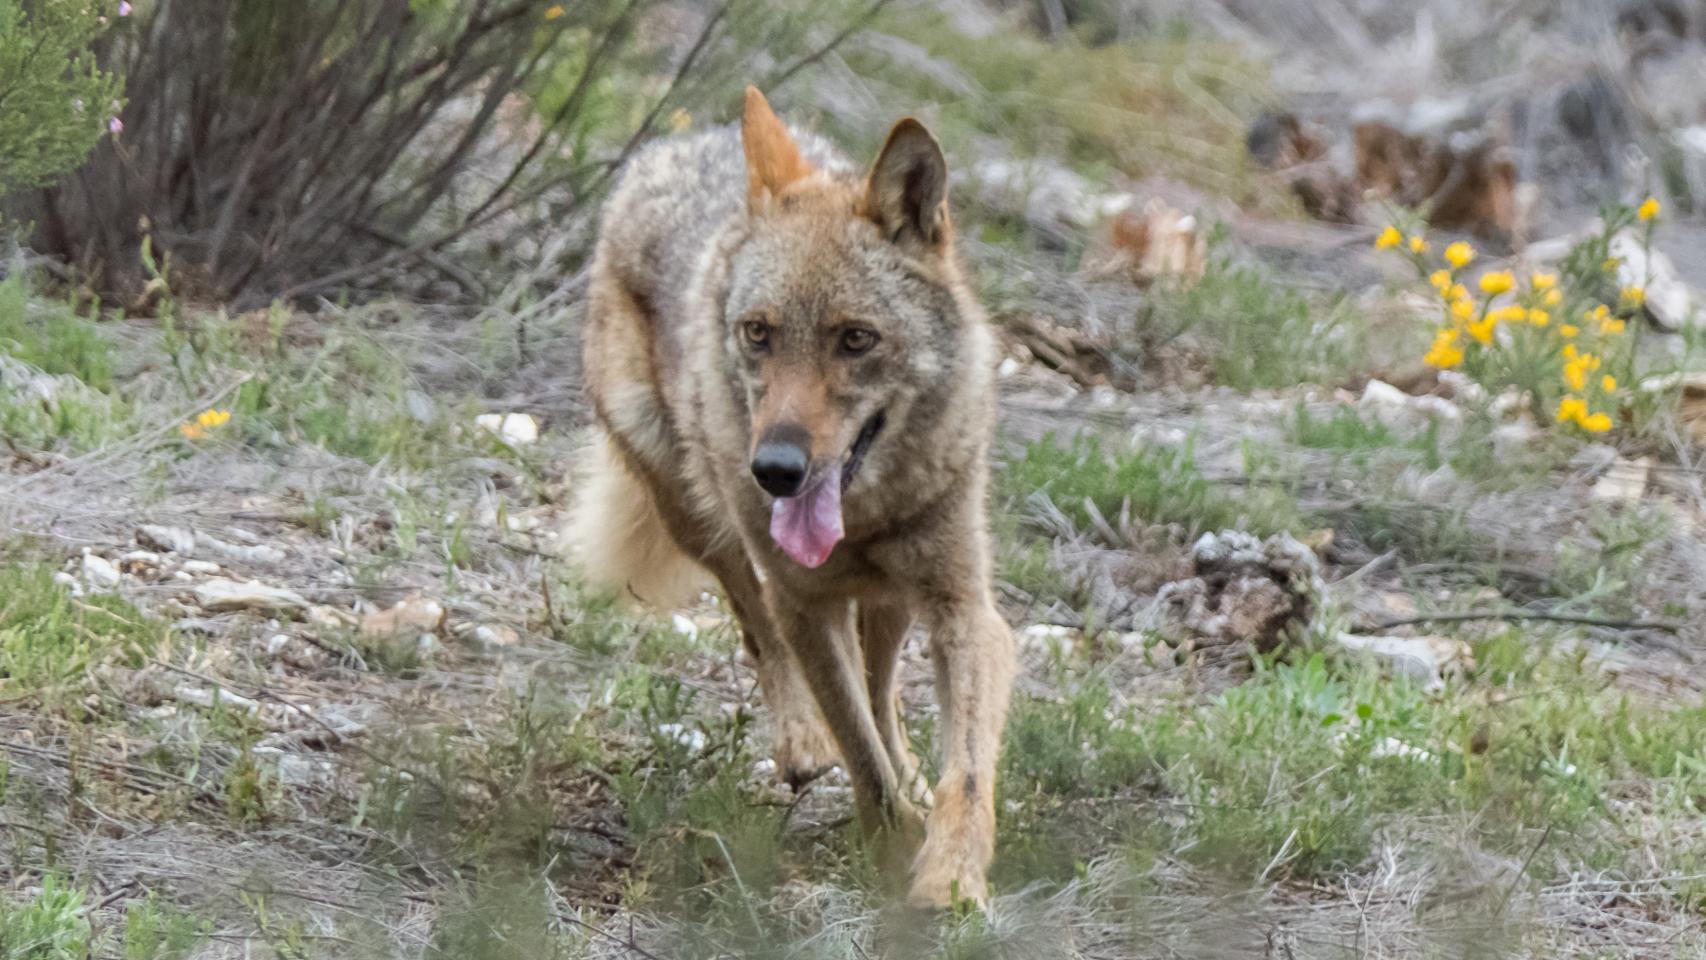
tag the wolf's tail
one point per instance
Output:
(618, 539)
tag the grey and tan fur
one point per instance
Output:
(749, 285)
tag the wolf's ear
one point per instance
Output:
(907, 195)
(773, 159)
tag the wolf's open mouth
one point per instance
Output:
(807, 526)
(861, 443)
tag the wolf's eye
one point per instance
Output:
(857, 340)
(756, 332)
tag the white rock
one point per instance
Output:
(495, 635)
(1424, 659)
(684, 626)
(1669, 301)
(690, 737)
(230, 595)
(1048, 638)
(167, 539)
(258, 553)
(1008, 367)
(99, 574)
(1624, 481)
(202, 697)
(202, 568)
(516, 429)
(71, 584)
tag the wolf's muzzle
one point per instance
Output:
(782, 460)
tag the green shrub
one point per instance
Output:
(55, 100)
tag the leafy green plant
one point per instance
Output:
(53, 925)
(56, 102)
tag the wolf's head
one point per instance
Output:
(844, 311)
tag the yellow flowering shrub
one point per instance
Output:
(1503, 336)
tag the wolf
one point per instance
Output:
(793, 391)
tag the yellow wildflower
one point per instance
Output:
(1649, 209)
(680, 120)
(1569, 351)
(1459, 254)
(191, 431)
(1575, 374)
(1418, 245)
(1568, 330)
(1389, 238)
(1610, 326)
(1445, 353)
(1634, 296)
(1608, 383)
(1539, 317)
(1553, 298)
(213, 418)
(553, 12)
(1457, 292)
(1441, 279)
(1510, 314)
(1463, 309)
(1482, 330)
(1494, 284)
(1596, 423)
(1544, 281)
(1571, 408)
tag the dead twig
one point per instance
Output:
(1668, 626)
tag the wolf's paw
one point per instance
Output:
(943, 881)
(950, 866)
(804, 751)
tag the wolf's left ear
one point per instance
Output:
(907, 194)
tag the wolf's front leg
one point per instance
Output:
(973, 654)
(824, 642)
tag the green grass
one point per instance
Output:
(50, 642)
(1284, 777)
(51, 336)
(1256, 332)
(1153, 485)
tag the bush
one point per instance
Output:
(55, 102)
(290, 149)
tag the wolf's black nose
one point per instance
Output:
(780, 464)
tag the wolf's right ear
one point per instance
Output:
(773, 159)
(907, 194)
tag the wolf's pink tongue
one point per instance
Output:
(807, 527)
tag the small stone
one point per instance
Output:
(206, 698)
(99, 574)
(495, 635)
(690, 737)
(201, 568)
(71, 584)
(1624, 481)
(257, 553)
(684, 626)
(218, 595)
(1428, 659)
(516, 429)
(167, 539)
